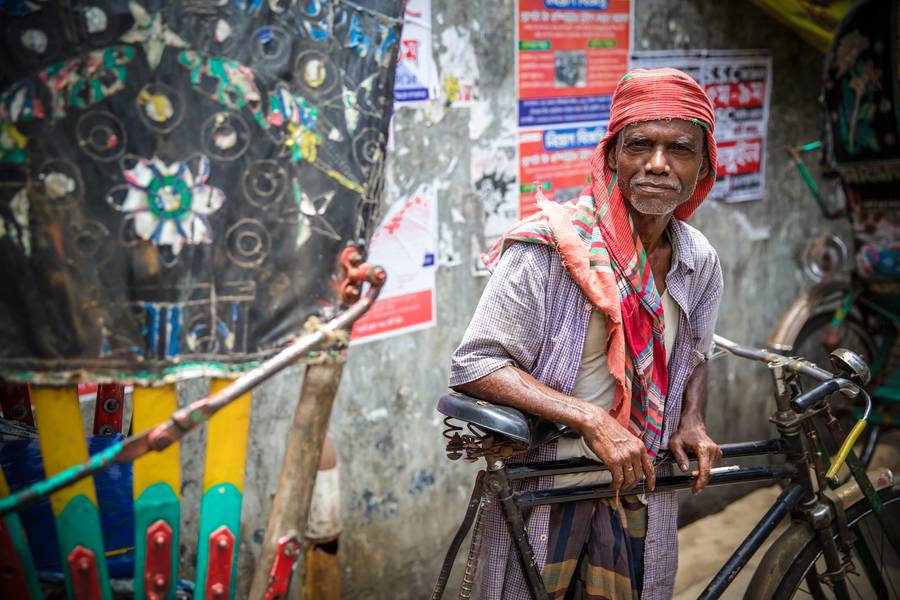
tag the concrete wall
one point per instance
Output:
(402, 498)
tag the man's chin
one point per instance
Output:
(654, 206)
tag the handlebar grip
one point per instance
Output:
(807, 399)
(844, 452)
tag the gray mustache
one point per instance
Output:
(637, 182)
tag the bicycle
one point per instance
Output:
(842, 538)
(860, 311)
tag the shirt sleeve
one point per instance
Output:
(507, 327)
(706, 311)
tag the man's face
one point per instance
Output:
(659, 163)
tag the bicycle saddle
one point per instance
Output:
(503, 420)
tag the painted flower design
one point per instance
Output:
(170, 203)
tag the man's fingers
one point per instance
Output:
(649, 471)
(617, 478)
(703, 461)
(717, 457)
(677, 450)
(631, 477)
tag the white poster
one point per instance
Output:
(497, 188)
(416, 80)
(405, 244)
(739, 83)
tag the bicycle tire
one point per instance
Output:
(860, 516)
(864, 345)
(861, 342)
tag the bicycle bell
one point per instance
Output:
(851, 365)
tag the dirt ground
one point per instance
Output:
(706, 544)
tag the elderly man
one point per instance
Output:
(599, 315)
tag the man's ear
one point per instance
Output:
(704, 165)
(611, 147)
(704, 168)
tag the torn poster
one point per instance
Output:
(417, 79)
(178, 180)
(495, 183)
(571, 54)
(739, 83)
(405, 244)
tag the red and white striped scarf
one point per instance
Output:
(604, 254)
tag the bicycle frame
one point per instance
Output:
(807, 496)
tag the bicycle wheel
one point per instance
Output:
(877, 565)
(854, 336)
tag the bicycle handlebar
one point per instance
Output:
(826, 388)
(799, 365)
(829, 385)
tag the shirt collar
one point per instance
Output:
(681, 249)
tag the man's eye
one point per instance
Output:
(638, 144)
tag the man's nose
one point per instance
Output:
(657, 162)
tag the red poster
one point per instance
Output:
(571, 55)
(557, 160)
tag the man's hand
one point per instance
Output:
(623, 454)
(692, 436)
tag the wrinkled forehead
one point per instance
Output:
(673, 127)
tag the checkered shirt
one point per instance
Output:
(534, 316)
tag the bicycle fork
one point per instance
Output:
(491, 486)
(816, 513)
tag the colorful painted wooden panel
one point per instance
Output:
(223, 491)
(19, 575)
(178, 179)
(74, 508)
(157, 509)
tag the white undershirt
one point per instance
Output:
(596, 385)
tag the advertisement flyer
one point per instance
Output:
(558, 160)
(570, 56)
(739, 83)
(405, 244)
(416, 80)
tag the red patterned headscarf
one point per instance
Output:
(605, 256)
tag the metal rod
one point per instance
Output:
(586, 465)
(788, 498)
(668, 483)
(874, 500)
(833, 562)
(497, 483)
(798, 365)
(453, 550)
(190, 417)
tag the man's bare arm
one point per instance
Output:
(623, 453)
(691, 434)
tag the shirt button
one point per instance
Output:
(587, 306)
(543, 537)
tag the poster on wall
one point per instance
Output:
(570, 55)
(416, 81)
(405, 244)
(495, 182)
(739, 83)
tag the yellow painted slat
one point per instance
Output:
(153, 406)
(226, 441)
(62, 440)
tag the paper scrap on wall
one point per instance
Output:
(495, 183)
(739, 83)
(417, 80)
(405, 244)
